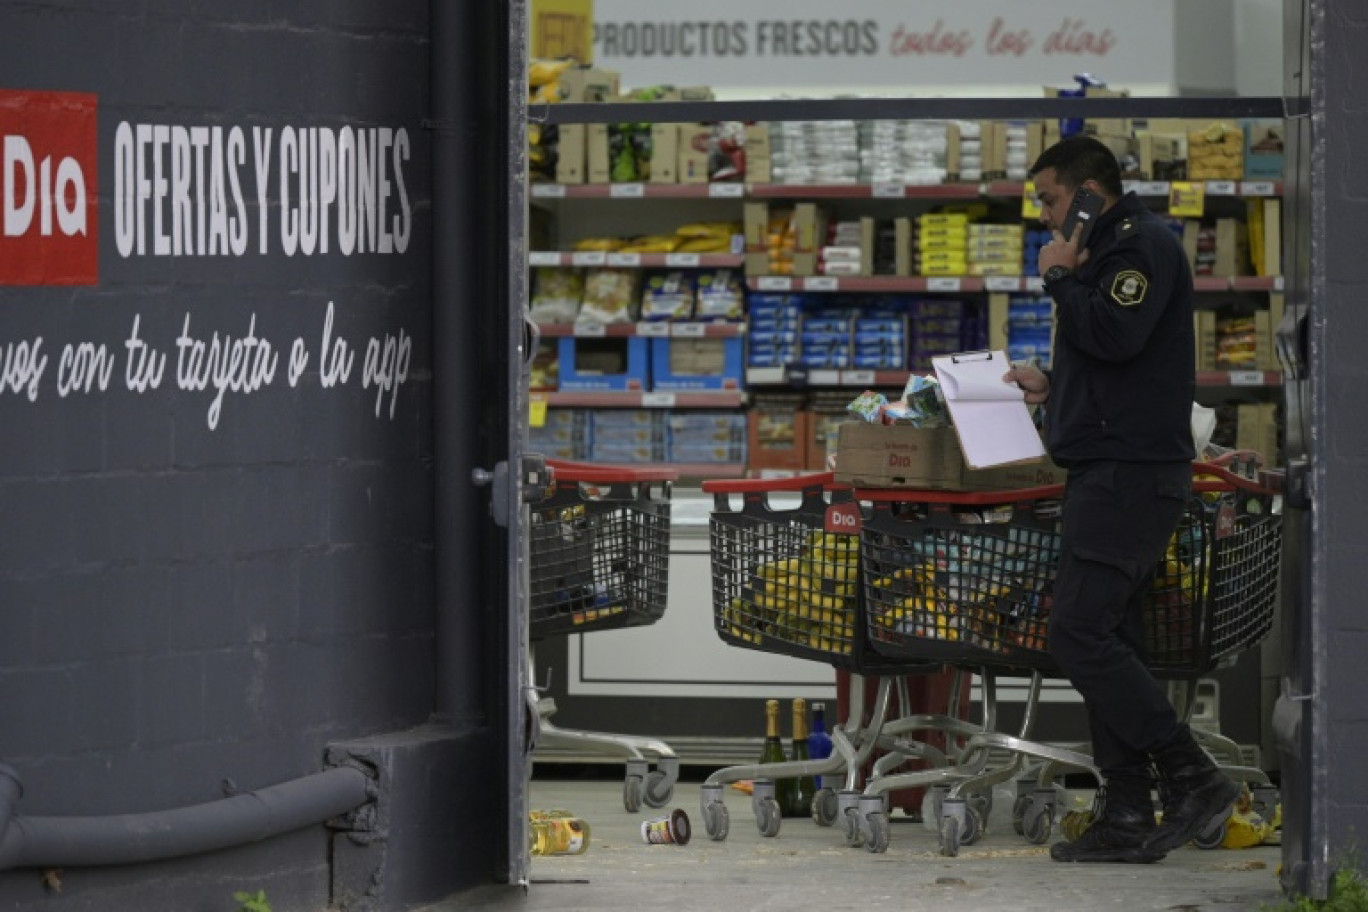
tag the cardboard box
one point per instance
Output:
(777, 434)
(1107, 126)
(571, 154)
(616, 364)
(681, 364)
(589, 84)
(596, 169)
(759, 154)
(664, 153)
(693, 143)
(903, 242)
(867, 227)
(1204, 328)
(882, 456)
(1256, 429)
(1232, 248)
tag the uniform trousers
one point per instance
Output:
(1118, 519)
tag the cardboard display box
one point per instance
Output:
(883, 456)
(777, 434)
(570, 153)
(664, 153)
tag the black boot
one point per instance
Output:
(1124, 820)
(1196, 793)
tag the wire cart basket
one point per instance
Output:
(786, 579)
(967, 578)
(598, 559)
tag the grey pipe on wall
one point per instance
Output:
(133, 838)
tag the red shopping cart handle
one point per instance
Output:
(763, 485)
(1227, 479)
(566, 470)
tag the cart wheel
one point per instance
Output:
(1037, 822)
(982, 801)
(1212, 836)
(932, 800)
(767, 817)
(878, 833)
(716, 820)
(973, 826)
(631, 794)
(659, 789)
(854, 836)
(824, 807)
(949, 836)
(1019, 808)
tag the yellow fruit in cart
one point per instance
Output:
(779, 568)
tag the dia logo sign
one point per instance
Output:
(48, 223)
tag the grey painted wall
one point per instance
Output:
(194, 588)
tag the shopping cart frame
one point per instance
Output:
(618, 520)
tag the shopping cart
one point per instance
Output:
(967, 579)
(785, 579)
(599, 560)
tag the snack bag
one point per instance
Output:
(668, 296)
(609, 296)
(556, 294)
(721, 296)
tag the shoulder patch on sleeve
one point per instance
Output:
(1126, 228)
(1128, 287)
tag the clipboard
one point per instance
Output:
(991, 418)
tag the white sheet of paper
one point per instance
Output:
(991, 418)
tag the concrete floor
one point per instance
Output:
(807, 868)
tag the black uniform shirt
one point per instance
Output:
(1124, 360)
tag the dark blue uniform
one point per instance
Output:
(1119, 418)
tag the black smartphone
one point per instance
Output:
(1085, 209)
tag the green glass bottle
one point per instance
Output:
(804, 787)
(773, 752)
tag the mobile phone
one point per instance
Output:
(1085, 208)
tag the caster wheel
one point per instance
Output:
(824, 807)
(767, 817)
(1211, 837)
(950, 837)
(973, 826)
(878, 833)
(716, 821)
(1019, 808)
(632, 789)
(1037, 822)
(854, 836)
(659, 789)
(982, 801)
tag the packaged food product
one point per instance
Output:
(556, 294)
(668, 296)
(609, 296)
(868, 405)
(721, 296)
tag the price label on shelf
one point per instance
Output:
(1033, 283)
(536, 415)
(857, 378)
(1030, 206)
(682, 259)
(543, 258)
(590, 330)
(1256, 188)
(1220, 188)
(1150, 188)
(774, 283)
(943, 283)
(646, 328)
(688, 330)
(1002, 283)
(624, 259)
(1187, 198)
(658, 400)
(626, 191)
(726, 191)
(548, 191)
(1277, 283)
(1246, 378)
(822, 283)
(887, 190)
(588, 258)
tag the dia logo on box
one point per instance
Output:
(48, 176)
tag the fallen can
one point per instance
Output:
(672, 829)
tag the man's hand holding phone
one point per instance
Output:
(1068, 242)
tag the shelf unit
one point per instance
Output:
(725, 199)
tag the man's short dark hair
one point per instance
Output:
(1081, 158)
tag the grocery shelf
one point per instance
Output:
(636, 190)
(889, 284)
(650, 329)
(1243, 378)
(864, 379)
(635, 260)
(635, 399)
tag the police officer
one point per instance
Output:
(1118, 408)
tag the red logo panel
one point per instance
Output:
(48, 214)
